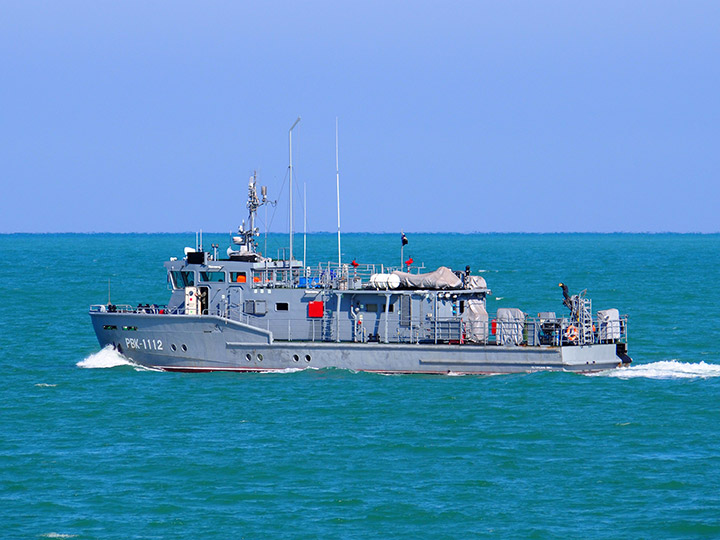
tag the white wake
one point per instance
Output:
(289, 370)
(669, 369)
(105, 358)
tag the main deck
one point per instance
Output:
(175, 342)
(546, 329)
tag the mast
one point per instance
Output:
(291, 190)
(247, 236)
(264, 194)
(337, 180)
(253, 202)
(304, 223)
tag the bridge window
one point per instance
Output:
(238, 277)
(371, 307)
(281, 306)
(212, 277)
(180, 280)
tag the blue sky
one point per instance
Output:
(454, 116)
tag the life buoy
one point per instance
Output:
(571, 333)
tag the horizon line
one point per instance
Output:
(360, 232)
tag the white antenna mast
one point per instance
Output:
(304, 223)
(266, 220)
(337, 179)
(291, 192)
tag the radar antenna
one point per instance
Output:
(246, 237)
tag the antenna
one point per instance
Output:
(291, 191)
(337, 179)
(109, 292)
(304, 223)
(263, 191)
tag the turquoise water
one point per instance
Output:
(87, 452)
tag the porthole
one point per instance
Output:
(307, 358)
(248, 356)
(183, 347)
(296, 357)
(259, 357)
(173, 348)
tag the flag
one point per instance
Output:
(404, 239)
(409, 261)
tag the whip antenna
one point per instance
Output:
(291, 190)
(337, 180)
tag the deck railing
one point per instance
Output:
(327, 275)
(532, 331)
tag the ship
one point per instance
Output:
(247, 312)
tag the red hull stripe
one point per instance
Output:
(189, 369)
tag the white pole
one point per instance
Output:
(304, 223)
(337, 180)
(291, 194)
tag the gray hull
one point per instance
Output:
(208, 343)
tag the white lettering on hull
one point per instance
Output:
(145, 344)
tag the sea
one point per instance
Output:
(92, 446)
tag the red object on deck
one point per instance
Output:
(355, 265)
(316, 310)
(493, 326)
